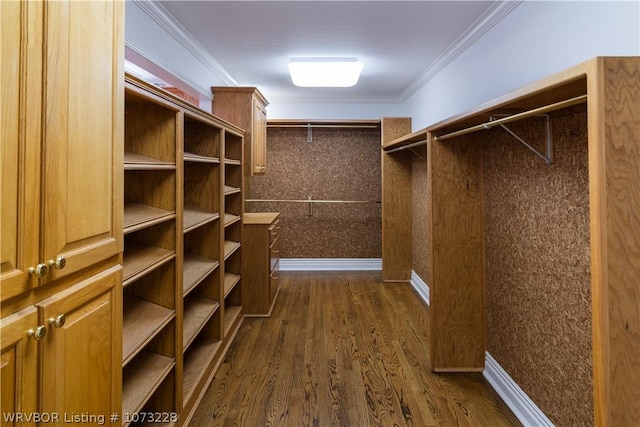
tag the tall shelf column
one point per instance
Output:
(152, 242)
(182, 260)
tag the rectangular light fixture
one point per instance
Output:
(325, 72)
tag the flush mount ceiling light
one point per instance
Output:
(325, 72)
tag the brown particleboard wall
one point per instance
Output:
(537, 266)
(420, 243)
(340, 164)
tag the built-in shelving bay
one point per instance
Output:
(230, 281)
(197, 312)
(195, 270)
(142, 321)
(140, 259)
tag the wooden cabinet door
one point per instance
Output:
(81, 358)
(83, 131)
(259, 138)
(19, 367)
(21, 30)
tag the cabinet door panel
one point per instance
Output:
(21, 38)
(19, 365)
(259, 138)
(82, 132)
(81, 357)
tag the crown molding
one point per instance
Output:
(333, 100)
(480, 26)
(163, 18)
(140, 50)
(159, 14)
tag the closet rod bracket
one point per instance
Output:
(548, 155)
(417, 154)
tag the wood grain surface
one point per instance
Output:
(343, 349)
(614, 175)
(457, 255)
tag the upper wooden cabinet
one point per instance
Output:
(245, 107)
(21, 109)
(60, 123)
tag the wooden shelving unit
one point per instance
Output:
(182, 205)
(607, 90)
(202, 317)
(232, 248)
(151, 179)
(397, 200)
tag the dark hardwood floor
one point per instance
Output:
(343, 349)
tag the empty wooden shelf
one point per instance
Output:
(140, 259)
(142, 378)
(195, 269)
(142, 320)
(194, 217)
(137, 216)
(197, 311)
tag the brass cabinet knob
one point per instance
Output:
(58, 263)
(38, 333)
(39, 270)
(58, 321)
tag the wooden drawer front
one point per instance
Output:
(274, 280)
(274, 231)
(274, 253)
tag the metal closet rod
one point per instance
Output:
(488, 125)
(408, 146)
(321, 126)
(311, 201)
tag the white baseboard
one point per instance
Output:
(517, 400)
(420, 286)
(330, 264)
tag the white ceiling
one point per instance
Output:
(401, 43)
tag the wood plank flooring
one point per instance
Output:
(343, 349)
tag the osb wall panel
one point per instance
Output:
(420, 244)
(340, 164)
(537, 266)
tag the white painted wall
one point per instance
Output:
(537, 39)
(321, 111)
(146, 37)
